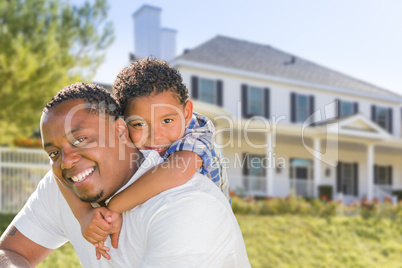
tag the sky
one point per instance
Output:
(360, 38)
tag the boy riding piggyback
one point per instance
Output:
(160, 118)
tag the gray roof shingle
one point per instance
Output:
(263, 59)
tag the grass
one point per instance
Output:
(298, 241)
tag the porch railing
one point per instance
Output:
(384, 191)
(257, 186)
(302, 187)
(20, 173)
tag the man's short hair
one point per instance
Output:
(147, 76)
(99, 100)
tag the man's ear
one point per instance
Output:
(188, 111)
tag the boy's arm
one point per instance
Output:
(93, 226)
(179, 167)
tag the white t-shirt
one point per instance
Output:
(188, 226)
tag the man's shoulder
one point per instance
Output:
(198, 191)
(48, 181)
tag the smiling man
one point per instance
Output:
(92, 156)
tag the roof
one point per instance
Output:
(263, 59)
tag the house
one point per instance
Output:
(286, 123)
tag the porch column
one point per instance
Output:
(317, 166)
(271, 166)
(370, 175)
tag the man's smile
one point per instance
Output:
(82, 175)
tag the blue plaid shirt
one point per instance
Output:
(199, 138)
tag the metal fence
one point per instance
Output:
(20, 172)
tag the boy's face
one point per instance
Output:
(155, 122)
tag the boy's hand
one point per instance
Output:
(116, 220)
(94, 226)
(102, 250)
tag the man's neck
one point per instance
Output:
(134, 161)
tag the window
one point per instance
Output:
(302, 106)
(301, 175)
(255, 101)
(301, 169)
(254, 180)
(383, 175)
(207, 91)
(382, 116)
(346, 108)
(347, 178)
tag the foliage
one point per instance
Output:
(27, 142)
(296, 205)
(398, 193)
(325, 191)
(44, 46)
(297, 241)
(280, 206)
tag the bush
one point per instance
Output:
(27, 142)
(324, 208)
(398, 193)
(325, 192)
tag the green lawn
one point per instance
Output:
(300, 241)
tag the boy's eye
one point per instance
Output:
(167, 121)
(137, 124)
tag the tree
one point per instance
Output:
(45, 45)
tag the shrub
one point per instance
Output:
(296, 205)
(325, 192)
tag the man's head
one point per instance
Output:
(155, 103)
(84, 138)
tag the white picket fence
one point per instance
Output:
(20, 173)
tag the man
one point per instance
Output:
(90, 151)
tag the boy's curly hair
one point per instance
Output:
(99, 100)
(147, 76)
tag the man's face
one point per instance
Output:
(155, 122)
(84, 150)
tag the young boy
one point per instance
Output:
(160, 117)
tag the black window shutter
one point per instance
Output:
(194, 87)
(390, 120)
(291, 168)
(219, 93)
(338, 108)
(293, 107)
(356, 178)
(244, 100)
(312, 104)
(338, 177)
(245, 161)
(356, 107)
(266, 102)
(263, 165)
(245, 170)
(375, 174)
(390, 175)
(373, 109)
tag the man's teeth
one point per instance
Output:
(82, 175)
